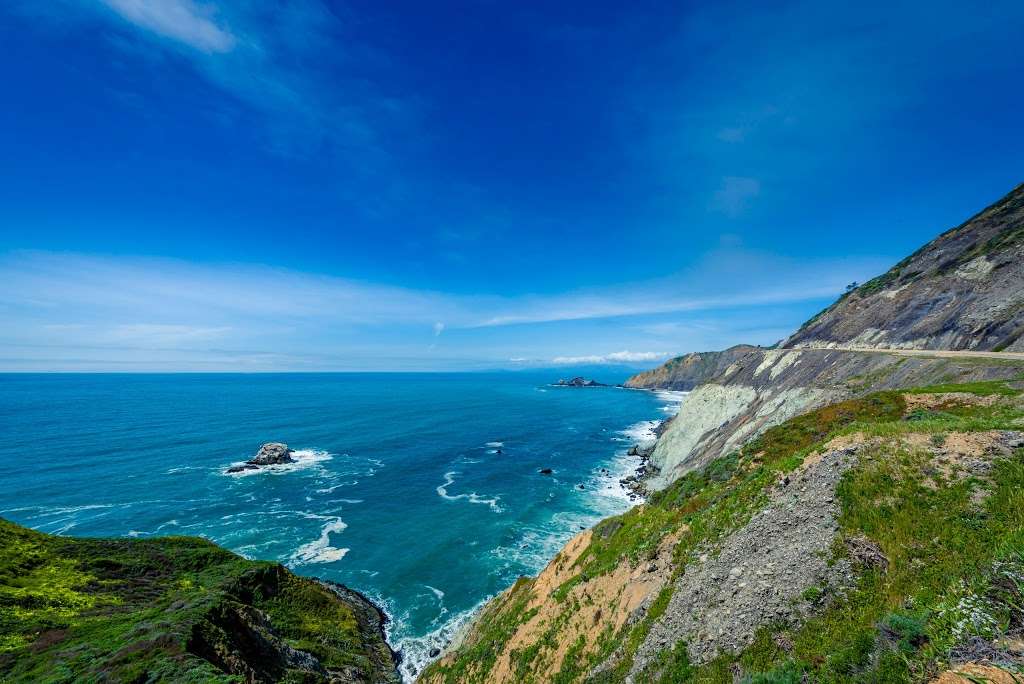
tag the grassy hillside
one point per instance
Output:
(921, 570)
(175, 609)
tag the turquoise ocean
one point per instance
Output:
(420, 490)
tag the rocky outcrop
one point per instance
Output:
(687, 372)
(963, 290)
(579, 381)
(271, 453)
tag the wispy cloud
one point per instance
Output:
(614, 357)
(291, 64)
(238, 315)
(184, 21)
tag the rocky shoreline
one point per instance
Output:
(635, 485)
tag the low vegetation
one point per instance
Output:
(175, 609)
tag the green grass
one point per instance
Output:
(891, 626)
(76, 610)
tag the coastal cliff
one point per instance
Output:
(963, 290)
(825, 511)
(175, 609)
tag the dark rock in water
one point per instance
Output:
(545, 471)
(272, 453)
(634, 450)
(579, 486)
(434, 652)
(579, 381)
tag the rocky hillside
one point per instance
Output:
(880, 539)
(764, 387)
(963, 290)
(684, 373)
(175, 609)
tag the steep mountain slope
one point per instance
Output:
(176, 609)
(963, 290)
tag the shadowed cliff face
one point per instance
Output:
(963, 290)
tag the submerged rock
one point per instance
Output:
(545, 471)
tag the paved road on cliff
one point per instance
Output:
(935, 353)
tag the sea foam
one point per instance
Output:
(320, 550)
(471, 497)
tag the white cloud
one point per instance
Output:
(183, 21)
(61, 306)
(735, 194)
(614, 357)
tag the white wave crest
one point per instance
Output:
(416, 650)
(471, 497)
(673, 400)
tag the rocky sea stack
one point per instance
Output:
(271, 453)
(579, 381)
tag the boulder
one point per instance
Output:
(545, 471)
(272, 453)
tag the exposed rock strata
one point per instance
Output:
(762, 388)
(963, 290)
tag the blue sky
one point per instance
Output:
(309, 185)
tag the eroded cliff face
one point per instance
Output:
(762, 388)
(687, 372)
(963, 290)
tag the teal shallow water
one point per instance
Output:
(400, 490)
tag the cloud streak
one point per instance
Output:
(614, 357)
(121, 307)
(179, 20)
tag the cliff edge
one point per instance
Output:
(175, 609)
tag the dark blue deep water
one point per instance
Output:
(399, 490)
